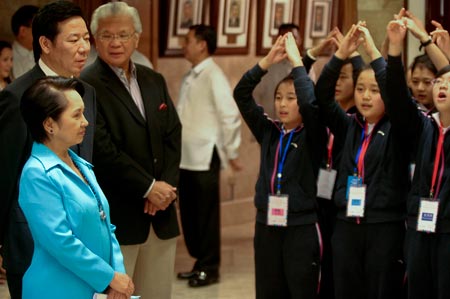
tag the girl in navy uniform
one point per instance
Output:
(344, 96)
(372, 180)
(428, 234)
(287, 239)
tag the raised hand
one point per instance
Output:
(339, 37)
(396, 32)
(292, 51)
(328, 44)
(416, 27)
(441, 38)
(349, 43)
(276, 54)
(368, 43)
(400, 14)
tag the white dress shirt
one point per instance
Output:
(23, 59)
(209, 116)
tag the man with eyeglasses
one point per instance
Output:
(60, 46)
(137, 150)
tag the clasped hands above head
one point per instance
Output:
(284, 47)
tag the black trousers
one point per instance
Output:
(327, 221)
(15, 285)
(428, 265)
(200, 214)
(287, 261)
(368, 260)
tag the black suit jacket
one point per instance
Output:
(14, 152)
(130, 151)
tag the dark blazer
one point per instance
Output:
(303, 157)
(14, 152)
(130, 151)
(386, 162)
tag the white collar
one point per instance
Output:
(438, 121)
(202, 65)
(46, 69)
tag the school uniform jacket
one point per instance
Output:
(386, 162)
(75, 252)
(304, 152)
(422, 133)
(131, 151)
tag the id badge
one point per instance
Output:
(352, 181)
(325, 183)
(356, 201)
(278, 210)
(428, 212)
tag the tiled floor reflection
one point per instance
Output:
(236, 273)
(237, 276)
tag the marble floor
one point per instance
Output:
(237, 274)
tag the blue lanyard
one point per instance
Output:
(283, 158)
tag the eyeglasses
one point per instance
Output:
(441, 81)
(121, 37)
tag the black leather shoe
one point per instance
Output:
(187, 275)
(203, 278)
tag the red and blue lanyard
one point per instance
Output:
(439, 157)
(330, 150)
(360, 155)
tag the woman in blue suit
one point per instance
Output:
(76, 253)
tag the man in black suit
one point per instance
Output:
(61, 45)
(137, 149)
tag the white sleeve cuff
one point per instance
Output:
(149, 189)
(308, 52)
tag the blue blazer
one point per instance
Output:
(76, 253)
(16, 144)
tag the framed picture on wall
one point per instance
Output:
(231, 19)
(320, 19)
(176, 17)
(321, 16)
(271, 14)
(235, 17)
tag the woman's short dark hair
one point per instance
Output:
(44, 99)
